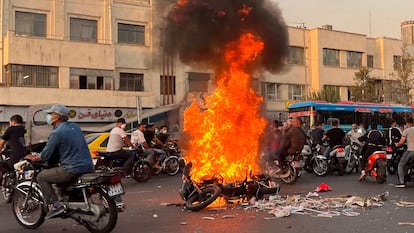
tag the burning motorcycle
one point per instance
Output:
(141, 169)
(199, 195)
(335, 162)
(89, 200)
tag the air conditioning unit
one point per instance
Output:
(327, 27)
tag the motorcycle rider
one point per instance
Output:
(117, 139)
(335, 135)
(407, 136)
(374, 141)
(292, 142)
(317, 134)
(14, 137)
(394, 133)
(67, 147)
(353, 136)
(138, 139)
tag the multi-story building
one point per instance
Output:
(104, 59)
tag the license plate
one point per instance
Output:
(28, 175)
(340, 154)
(115, 190)
(389, 156)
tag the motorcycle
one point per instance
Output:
(294, 164)
(352, 157)
(141, 169)
(170, 165)
(377, 166)
(393, 158)
(89, 200)
(408, 172)
(309, 152)
(8, 178)
(335, 162)
(199, 195)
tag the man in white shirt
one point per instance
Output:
(117, 139)
(138, 140)
(407, 136)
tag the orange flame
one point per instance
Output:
(224, 136)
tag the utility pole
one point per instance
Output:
(304, 61)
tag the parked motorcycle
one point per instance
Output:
(309, 152)
(141, 169)
(352, 157)
(335, 162)
(89, 200)
(393, 158)
(200, 195)
(377, 166)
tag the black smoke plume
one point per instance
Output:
(198, 30)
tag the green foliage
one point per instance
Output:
(365, 89)
(404, 73)
(327, 93)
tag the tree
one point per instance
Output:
(404, 73)
(327, 93)
(365, 89)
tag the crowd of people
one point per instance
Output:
(283, 138)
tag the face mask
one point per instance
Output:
(49, 119)
(123, 126)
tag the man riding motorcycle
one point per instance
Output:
(407, 136)
(374, 141)
(66, 146)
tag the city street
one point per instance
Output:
(156, 207)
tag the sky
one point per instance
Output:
(374, 18)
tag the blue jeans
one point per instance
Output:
(405, 158)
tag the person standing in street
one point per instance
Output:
(407, 136)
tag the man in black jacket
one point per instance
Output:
(374, 141)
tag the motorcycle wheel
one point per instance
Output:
(350, 164)
(320, 167)
(106, 222)
(308, 166)
(200, 201)
(171, 165)
(7, 188)
(141, 171)
(381, 171)
(293, 175)
(33, 214)
(341, 166)
(392, 168)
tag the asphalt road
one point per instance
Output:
(156, 207)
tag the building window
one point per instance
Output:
(198, 82)
(30, 24)
(32, 76)
(271, 91)
(370, 61)
(296, 55)
(131, 82)
(131, 34)
(396, 61)
(167, 85)
(91, 79)
(330, 57)
(83, 29)
(295, 92)
(353, 59)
